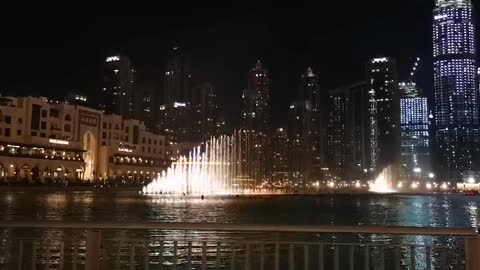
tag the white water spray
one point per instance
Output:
(207, 169)
(384, 182)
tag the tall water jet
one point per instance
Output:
(384, 183)
(207, 169)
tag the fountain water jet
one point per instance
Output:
(207, 169)
(384, 182)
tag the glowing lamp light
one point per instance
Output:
(414, 185)
(55, 141)
(429, 186)
(400, 185)
(417, 170)
(444, 186)
(112, 59)
(471, 180)
(431, 175)
(331, 184)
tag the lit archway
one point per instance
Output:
(90, 147)
(26, 171)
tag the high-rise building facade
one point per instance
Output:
(256, 101)
(339, 132)
(204, 111)
(255, 125)
(118, 86)
(176, 85)
(300, 140)
(309, 91)
(348, 126)
(144, 105)
(415, 135)
(384, 113)
(280, 151)
(360, 126)
(456, 89)
(174, 110)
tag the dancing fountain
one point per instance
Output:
(384, 182)
(219, 166)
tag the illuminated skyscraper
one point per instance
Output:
(456, 89)
(144, 105)
(309, 91)
(256, 101)
(204, 112)
(176, 85)
(255, 125)
(339, 131)
(384, 113)
(348, 126)
(415, 130)
(174, 113)
(300, 140)
(280, 150)
(118, 89)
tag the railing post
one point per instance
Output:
(472, 253)
(93, 250)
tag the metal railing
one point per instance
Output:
(94, 251)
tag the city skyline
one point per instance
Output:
(222, 62)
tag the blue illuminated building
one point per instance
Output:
(415, 130)
(456, 89)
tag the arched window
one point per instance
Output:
(68, 117)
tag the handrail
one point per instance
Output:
(229, 227)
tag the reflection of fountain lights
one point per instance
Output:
(472, 211)
(383, 182)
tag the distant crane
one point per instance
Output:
(416, 66)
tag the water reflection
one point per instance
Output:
(390, 210)
(472, 212)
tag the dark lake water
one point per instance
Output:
(397, 210)
(393, 210)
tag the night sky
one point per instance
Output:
(47, 52)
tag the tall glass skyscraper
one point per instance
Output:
(384, 113)
(456, 90)
(415, 130)
(118, 86)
